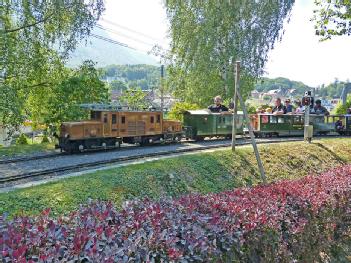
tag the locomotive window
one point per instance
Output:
(152, 119)
(95, 115)
(158, 118)
(105, 118)
(123, 119)
(114, 118)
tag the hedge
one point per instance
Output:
(287, 221)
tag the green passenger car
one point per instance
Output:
(291, 125)
(199, 124)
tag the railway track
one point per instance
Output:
(117, 160)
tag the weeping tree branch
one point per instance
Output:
(29, 25)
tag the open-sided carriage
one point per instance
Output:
(267, 125)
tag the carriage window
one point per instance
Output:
(297, 120)
(105, 118)
(281, 120)
(158, 118)
(264, 119)
(114, 118)
(123, 119)
(95, 115)
(272, 119)
(152, 119)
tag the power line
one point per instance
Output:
(112, 41)
(123, 35)
(129, 29)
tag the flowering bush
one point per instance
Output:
(280, 222)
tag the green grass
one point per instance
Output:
(198, 173)
(15, 150)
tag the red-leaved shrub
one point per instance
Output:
(281, 222)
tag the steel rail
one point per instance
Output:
(96, 164)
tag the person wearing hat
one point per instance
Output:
(288, 106)
(319, 109)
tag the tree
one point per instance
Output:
(61, 102)
(35, 39)
(179, 108)
(134, 98)
(118, 85)
(208, 36)
(333, 18)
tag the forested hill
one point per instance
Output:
(106, 53)
(266, 84)
(124, 76)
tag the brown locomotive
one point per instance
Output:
(109, 128)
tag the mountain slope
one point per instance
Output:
(105, 53)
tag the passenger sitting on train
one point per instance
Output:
(279, 107)
(288, 106)
(299, 107)
(338, 125)
(217, 107)
(319, 109)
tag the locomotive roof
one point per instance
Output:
(115, 108)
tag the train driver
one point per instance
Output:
(279, 107)
(217, 107)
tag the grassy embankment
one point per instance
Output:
(202, 173)
(18, 150)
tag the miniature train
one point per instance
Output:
(109, 128)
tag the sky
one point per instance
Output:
(299, 56)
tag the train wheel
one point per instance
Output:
(199, 138)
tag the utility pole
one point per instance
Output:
(235, 101)
(161, 89)
(308, 129)
(247, 118)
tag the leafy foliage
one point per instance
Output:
(285, 221)
(31, 32)
(60, 102)
(208, 36)
(179, 108)
(45, 139)
(342, 109)
(22, 139)
(134, 98)
(333, 18)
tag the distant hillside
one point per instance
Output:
(105, 53)
(266, 84)
(333, 90)
(122, 77)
